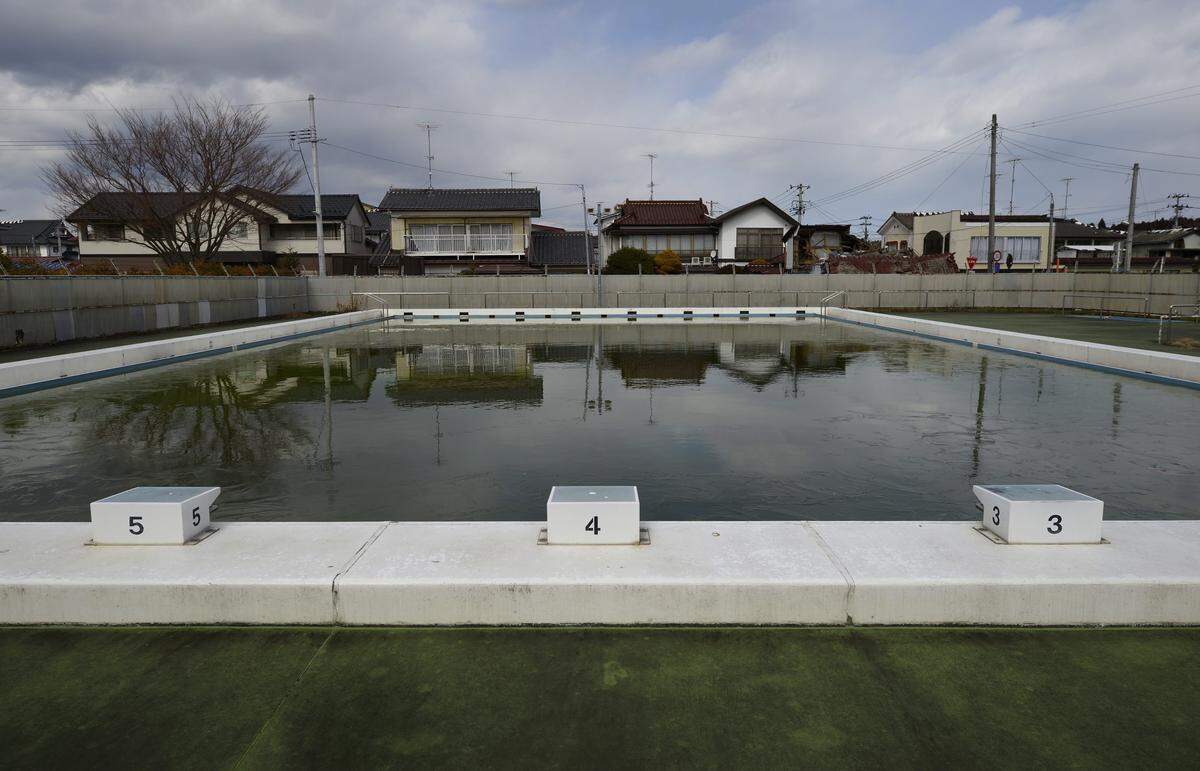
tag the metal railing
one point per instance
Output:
(828, 299)
(1103, 312)
(1164, 322)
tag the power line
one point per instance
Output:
(443, 171)
(1105, 147)
(1126, 104)
(945, 180)
(111, 108)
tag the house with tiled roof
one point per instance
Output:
(457, 230)
(38, 239)
(554, 250)
(681, 226)
(260, 229)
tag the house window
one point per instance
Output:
(493, 237)
(302, 231)
(758, 243)
(103, 232)
(1024, 249)
(239, 230)
(354, 233)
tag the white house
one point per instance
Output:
(755, 231)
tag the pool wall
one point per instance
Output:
(52, 371)
(496, 573)
(1173, 368)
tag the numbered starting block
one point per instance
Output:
(593, 515)
(1040, 514)
(153, 515)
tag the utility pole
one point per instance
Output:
(865, 221)
(1052, 258)
(651, 156)
(1127, 262)
(599, 248)
(313, 140)
(991, 242)
(712, 207)
(512, 178)
(1067, 195)
(429, 127)
(1012, 185)
(798, 204)
(1178, 207)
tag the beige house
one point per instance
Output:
(965, 235)
(269, 229)
(456, 230)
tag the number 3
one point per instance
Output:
(1055, 524)
(995, 515)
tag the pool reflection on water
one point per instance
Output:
(784, 420)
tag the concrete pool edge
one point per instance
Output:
(1157, 366)
(792, 573)
(28, 375)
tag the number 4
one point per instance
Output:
(593, 526)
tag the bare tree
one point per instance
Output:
(178, 181)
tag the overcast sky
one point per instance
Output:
(901, 80)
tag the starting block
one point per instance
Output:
(1040, 514)
(153, 515)
(593, 515)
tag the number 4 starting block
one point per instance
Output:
(594, 515)
(1040, 514)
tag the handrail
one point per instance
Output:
(1171, 315)
(1108, 296)
(827, 299)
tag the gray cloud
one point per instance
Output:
(860, 74)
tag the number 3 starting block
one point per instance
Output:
(1040, 514)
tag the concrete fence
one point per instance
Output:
(41, 310)
(1134, 293)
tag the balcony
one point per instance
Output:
(751, 253)
(463, 244)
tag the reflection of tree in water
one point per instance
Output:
(208, 417)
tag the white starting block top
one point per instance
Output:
(1040, 513)
(599, 514)
(153, 515)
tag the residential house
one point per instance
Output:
(49, 240)
(1176, 247)
(816, 243)
(271, 229)
(965, 235)
(683, 227)
(755, 232)
(553, 250)
(456, 230)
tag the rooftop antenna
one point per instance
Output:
(512, 178)
(651, 156)
(429, 127)
(712, 207)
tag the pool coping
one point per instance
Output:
(1156, 366)
(28, 375)
(778, 573)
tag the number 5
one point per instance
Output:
(135, 526)
(195, 516)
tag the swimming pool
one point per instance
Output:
(791, 419)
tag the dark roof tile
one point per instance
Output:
(548, 247)
(662, 213)
(520, 199)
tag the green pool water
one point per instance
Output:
(803, 419)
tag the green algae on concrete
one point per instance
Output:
(1128, 332)
(599, 697)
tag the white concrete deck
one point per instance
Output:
(494, 573)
